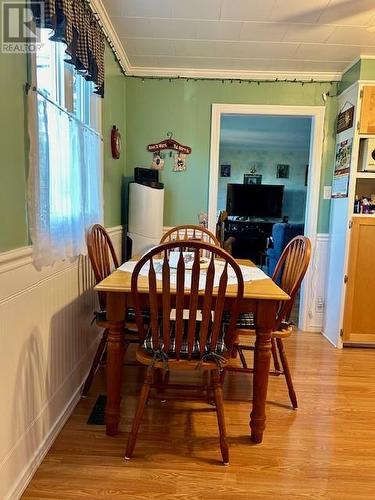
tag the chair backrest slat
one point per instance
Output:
(180, 296)
(209, 301)
(219, 309)
(193, 302)
(154, 311)
(166, 280)
(102, 256)
(290, 271)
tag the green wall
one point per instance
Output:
(350, 76)
(367, 69)
(13, 162)
(155, 107)
(114, 108)
(14, 147)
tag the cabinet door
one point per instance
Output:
(359, 314)
(367, 121)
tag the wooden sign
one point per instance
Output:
(169, 143)
(345, 119)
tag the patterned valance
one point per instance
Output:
(73, 23)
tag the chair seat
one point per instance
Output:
(220, 346)
(101, 316)
(245, 320)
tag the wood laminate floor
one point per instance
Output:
(325, 449)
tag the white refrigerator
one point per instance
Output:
(146, 210)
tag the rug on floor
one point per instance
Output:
(97, 416)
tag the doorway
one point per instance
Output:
(313, 119)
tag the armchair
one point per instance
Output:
(282, 234)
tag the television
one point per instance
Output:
(255, 200)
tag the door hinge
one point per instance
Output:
(358, 125)
(345, 278)
(341, 332)
(361, 93)
(350, 224)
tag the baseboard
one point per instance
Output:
(330, 340)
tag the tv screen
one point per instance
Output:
(255, 200)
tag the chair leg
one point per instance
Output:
(139, 413)
(98, 356)
(242, 356)
(275, 357)
(219, 404)
(288, 377)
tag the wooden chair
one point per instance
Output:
(288, 274)
(190, 232)
(103, 260)
(184, 344)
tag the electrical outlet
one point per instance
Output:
(319, 306)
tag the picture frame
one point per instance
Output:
(282, 171)
(252, 178)
(225, 170)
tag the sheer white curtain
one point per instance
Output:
(65, 182)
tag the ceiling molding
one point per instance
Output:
(232, 74)
(98, 7)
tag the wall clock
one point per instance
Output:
(115, 142)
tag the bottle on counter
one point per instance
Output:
(357, 205)
(365, 206)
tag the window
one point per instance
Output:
(66, 156)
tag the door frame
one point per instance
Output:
(316, 113)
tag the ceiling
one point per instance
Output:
(243, 37)
(265, 132)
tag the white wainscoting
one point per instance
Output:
(317, 294)
(47, 343)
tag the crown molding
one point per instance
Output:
(98, 7)
(232, 74)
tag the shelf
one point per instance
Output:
(363, 215)
(365, 175)
(366, 136)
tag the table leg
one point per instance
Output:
(115, 357)
(265, 320)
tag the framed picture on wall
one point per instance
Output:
(225, 170)
(282, 171)
(252, 178)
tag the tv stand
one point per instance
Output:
(250, 236)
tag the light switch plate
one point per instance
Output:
(327, 192)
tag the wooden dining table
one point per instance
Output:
(260, 296)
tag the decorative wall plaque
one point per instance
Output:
(345, 119)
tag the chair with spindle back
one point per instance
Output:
(190, 232)
(185, 343)
(288, 274)
(103, 260)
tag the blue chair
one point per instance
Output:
(282, 233)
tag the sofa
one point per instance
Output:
(282, 233)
